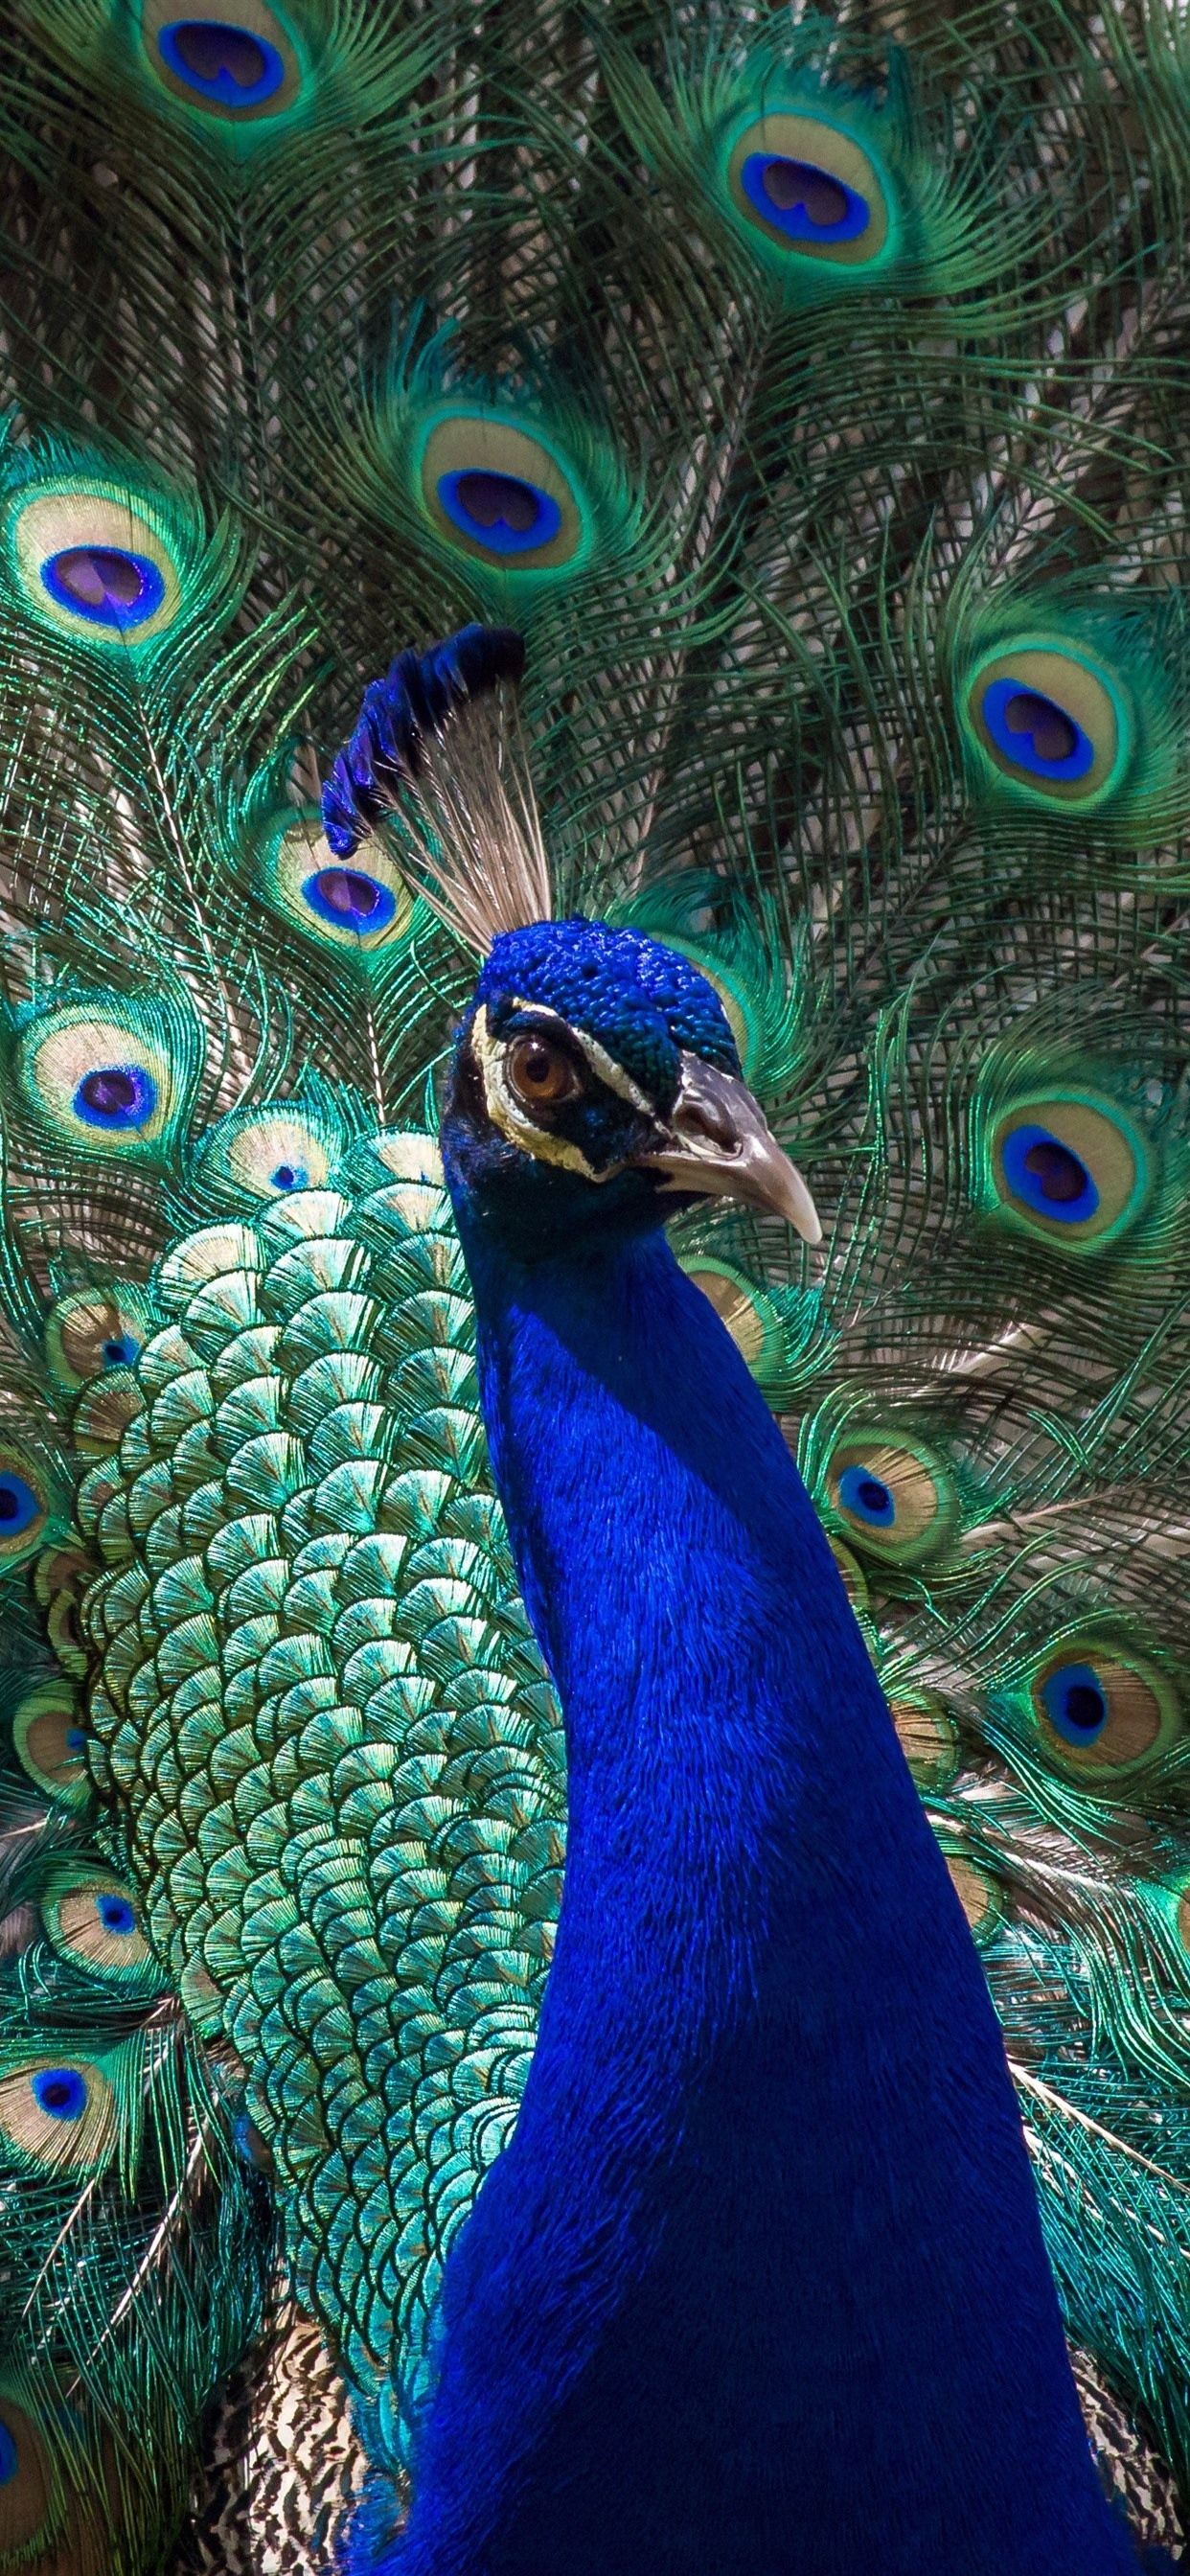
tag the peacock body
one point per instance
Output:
(804, 390)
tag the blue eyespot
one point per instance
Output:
(867, 1497)
(1075, 1703)
(291, 1176)
(115, 1096)
(349, 900)
(19, 1505)
(1051, 1179)
(76, 1738)
(107, 584)
(500, 511)
(60, 2092)
(805, 203)
(10, 2458)
(1035, 733)
(116, 1914)
(230, 65)
(121, 1351)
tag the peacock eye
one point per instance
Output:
(541, 1073)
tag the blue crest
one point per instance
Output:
(643, 1002)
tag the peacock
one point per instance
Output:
(600, 1266)
(767, 2165)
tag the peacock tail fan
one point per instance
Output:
(802, 393)
(136, 2240)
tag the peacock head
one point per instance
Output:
(595, 1085)
(595, 1089)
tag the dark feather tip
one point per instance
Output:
(417, 697)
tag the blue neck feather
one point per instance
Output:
(759, 2285)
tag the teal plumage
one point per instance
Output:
(845, 531)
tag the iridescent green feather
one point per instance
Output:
(312, 1411)
(811, 160)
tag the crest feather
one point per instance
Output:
(437, 744)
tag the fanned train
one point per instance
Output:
(782, 414)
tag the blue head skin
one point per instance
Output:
(595, 1089)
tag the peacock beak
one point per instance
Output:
(717, 1144)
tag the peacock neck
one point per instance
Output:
(759, 2282)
